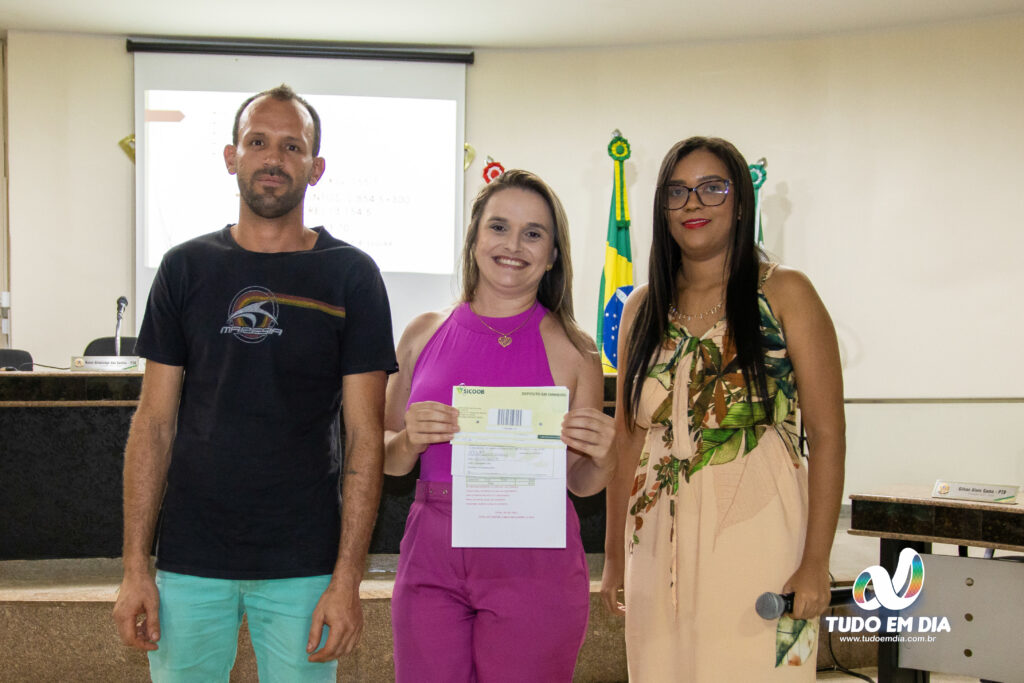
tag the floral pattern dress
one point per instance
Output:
(717, 515)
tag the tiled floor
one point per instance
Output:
(96, 580)
(873, 675)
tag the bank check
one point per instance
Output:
(508, 467)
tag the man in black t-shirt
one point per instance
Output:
(252, 334)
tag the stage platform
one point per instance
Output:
(55, 623)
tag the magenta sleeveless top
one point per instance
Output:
(464, 351)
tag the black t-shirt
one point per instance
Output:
(264, 339)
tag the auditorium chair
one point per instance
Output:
(104, 346)
(15, 359)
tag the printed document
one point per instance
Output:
(508, 467)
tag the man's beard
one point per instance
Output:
(266, 204)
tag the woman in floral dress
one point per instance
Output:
(713, 502)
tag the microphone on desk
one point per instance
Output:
(122, 303)
(773, 605)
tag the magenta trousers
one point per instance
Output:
(485, 615)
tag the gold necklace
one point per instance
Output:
(504, 338)
(674, 313)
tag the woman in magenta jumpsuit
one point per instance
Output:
(495, 614)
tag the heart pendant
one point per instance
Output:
(504, 340)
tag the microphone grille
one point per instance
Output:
(770, 606)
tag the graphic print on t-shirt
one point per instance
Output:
(253, 313)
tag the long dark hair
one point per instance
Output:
(744, 260)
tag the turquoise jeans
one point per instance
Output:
(200, 618)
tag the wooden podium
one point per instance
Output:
(63, 435)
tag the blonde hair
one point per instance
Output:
(555, 288)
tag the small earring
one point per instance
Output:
(550, 266)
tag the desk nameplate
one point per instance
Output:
(982, 493)
(107, 364)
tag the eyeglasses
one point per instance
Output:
(709, 193)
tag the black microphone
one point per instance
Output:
(122, 303)
(773, 605)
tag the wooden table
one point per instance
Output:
(908, 517)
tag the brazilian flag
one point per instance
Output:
(617, 278)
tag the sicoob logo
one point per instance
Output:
(252, 316)
(898, 593)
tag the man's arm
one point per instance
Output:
(339, 606)
(146, 458)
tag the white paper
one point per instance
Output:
(508, 467)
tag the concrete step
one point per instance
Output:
(55, 625)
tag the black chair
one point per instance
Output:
(15, 359)
(104, 346)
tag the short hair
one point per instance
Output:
(555, 289)
(282, 93)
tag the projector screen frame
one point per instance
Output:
(382, 76)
